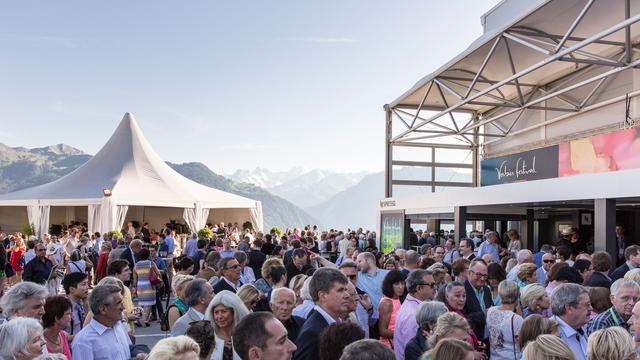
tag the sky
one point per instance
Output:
(231, 84)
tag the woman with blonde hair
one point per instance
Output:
(527, 274)
(179, 307)
(295, 284)
(175, 348)
(534, 300)
(534, 326)
(273, 274)
(225, 311)
(250, 295)
(450, 325)
(547, 347)
(613, 343)
(633, 274)
(16, 259)
(452, 349)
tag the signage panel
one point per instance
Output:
(525, 166)
(392, 230)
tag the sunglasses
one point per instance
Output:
(548, 261)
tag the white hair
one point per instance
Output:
(16, 334)
(304, 290)
(16, 297)
(229, 300)
(524, 255)
(620, 283)
(276, 291)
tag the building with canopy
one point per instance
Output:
(540, 114)
(125, 181)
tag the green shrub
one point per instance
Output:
(205, 233)
(112, 232)
(28, 229)
(277, 230)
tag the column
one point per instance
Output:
(527, 232)
(604, 226)
(460, 222)
(388, 167)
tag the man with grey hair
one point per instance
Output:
(625, 294)
(25, 299)
(571, 308)
(105, 337)
(411, 259)
(524, 256)
(198, 295)
(420, 287)
(282, 302)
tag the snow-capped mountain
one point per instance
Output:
(305, 188)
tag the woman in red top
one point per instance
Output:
(455, 297)
(101, 269)
(16, 254)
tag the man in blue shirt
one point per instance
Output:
(370, 281)
(490, 247)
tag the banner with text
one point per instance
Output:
(525, 166)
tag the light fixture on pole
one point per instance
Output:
(106, 192)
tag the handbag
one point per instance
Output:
(154, 277)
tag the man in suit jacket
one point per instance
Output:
(632, 255)
(328, 289)
(602, 264)
(230, 280)
(257, 258)
(465, 247)
(130, 254)
(198, 295)
(478, 297)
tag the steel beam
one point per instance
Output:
(432, 164)
(433, 145)
(528, 70)
(574, 25)
(432, 183)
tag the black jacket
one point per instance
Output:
(256, 259)
(473, 311)
(307, 341)
(619, 272)
(223, 285)
(598, 279)
(416, 347)
(37, 271)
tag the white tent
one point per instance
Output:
(137, 177)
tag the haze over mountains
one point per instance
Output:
(290, 198)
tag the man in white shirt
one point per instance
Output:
(105, 337)
(571, 307)
(199, 294)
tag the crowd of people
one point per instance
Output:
(312, 294)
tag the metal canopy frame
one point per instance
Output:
(480, 101)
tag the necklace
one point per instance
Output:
(49, 339)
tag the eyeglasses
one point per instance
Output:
(479, 275)
(236, 266)
(200, 322)
(548, 261)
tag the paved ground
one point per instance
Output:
(151, 335)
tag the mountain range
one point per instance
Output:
(21, 168)
(341, 200)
